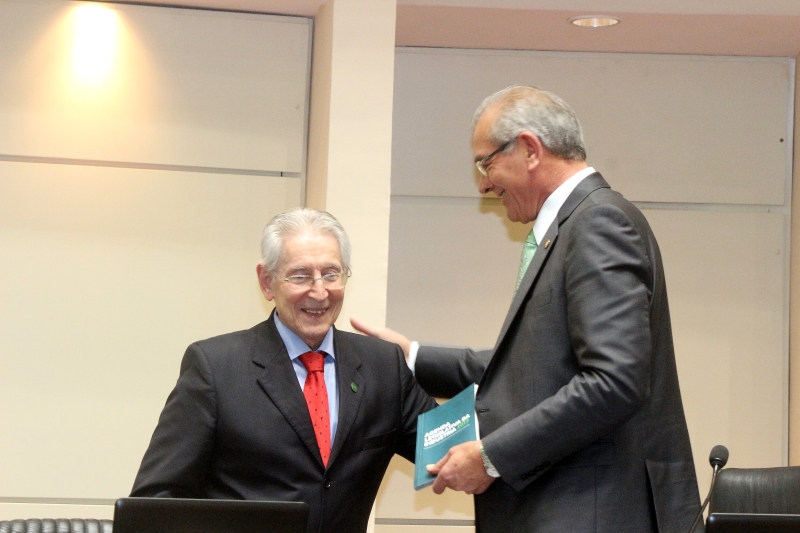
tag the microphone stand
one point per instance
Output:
(708, 498)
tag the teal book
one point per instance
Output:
(440, 429)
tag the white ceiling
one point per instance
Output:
(703, 27)
(731, 7)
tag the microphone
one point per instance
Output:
(717, 459)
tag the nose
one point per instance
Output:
(484, 185)
(318, 290)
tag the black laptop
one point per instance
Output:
(177, 515)
(752, 523)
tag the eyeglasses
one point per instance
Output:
(480, 164)
(330, 280)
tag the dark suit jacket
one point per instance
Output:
(237, 426)
(579, 405)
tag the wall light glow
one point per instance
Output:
(95, 43)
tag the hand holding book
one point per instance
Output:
(461, 469)
(447, 447)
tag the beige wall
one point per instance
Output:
(131, 206)
(794, 272)
(350, 154)
(350, 139)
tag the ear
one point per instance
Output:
(533, 148)
(265, 281)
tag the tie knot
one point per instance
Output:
(313, 361)
(531, 239)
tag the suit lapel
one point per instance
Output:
(526, 283)
(279, 382)
(351, 389)
(589, 184)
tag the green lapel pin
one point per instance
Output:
(354, 386)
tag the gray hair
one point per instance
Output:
(525, 108)
(295, 222)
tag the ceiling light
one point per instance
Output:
(594, 21)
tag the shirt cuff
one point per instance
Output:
(412, 356)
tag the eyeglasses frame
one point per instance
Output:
(344, 275)
(480, 164)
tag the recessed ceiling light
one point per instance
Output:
(594, 21)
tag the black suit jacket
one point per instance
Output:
(579, 405)
(237, 426)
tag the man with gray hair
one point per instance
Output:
(292, 409)
(581, 422)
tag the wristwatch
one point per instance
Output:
(487, 464)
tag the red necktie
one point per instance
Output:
(317, 399)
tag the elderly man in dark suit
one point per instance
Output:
(582, 427)
(292, 409)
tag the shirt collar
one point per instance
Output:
(296, 346)
(547, 214)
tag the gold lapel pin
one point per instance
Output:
(547, 243)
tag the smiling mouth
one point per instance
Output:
(315, 312)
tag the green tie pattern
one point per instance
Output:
(527, 254)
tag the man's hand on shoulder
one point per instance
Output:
(461, 469)
(383, 333)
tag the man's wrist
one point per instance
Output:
(487, 464)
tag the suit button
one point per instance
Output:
(326, 483)
(541, 468)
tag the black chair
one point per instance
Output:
(58, 525)
(756, 490)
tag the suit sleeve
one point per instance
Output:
(444, 372)
(608, 285)
(175, 463)
(414, 402)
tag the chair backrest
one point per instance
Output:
(756, 490)
(58, 525)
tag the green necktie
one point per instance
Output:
(527, 254)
